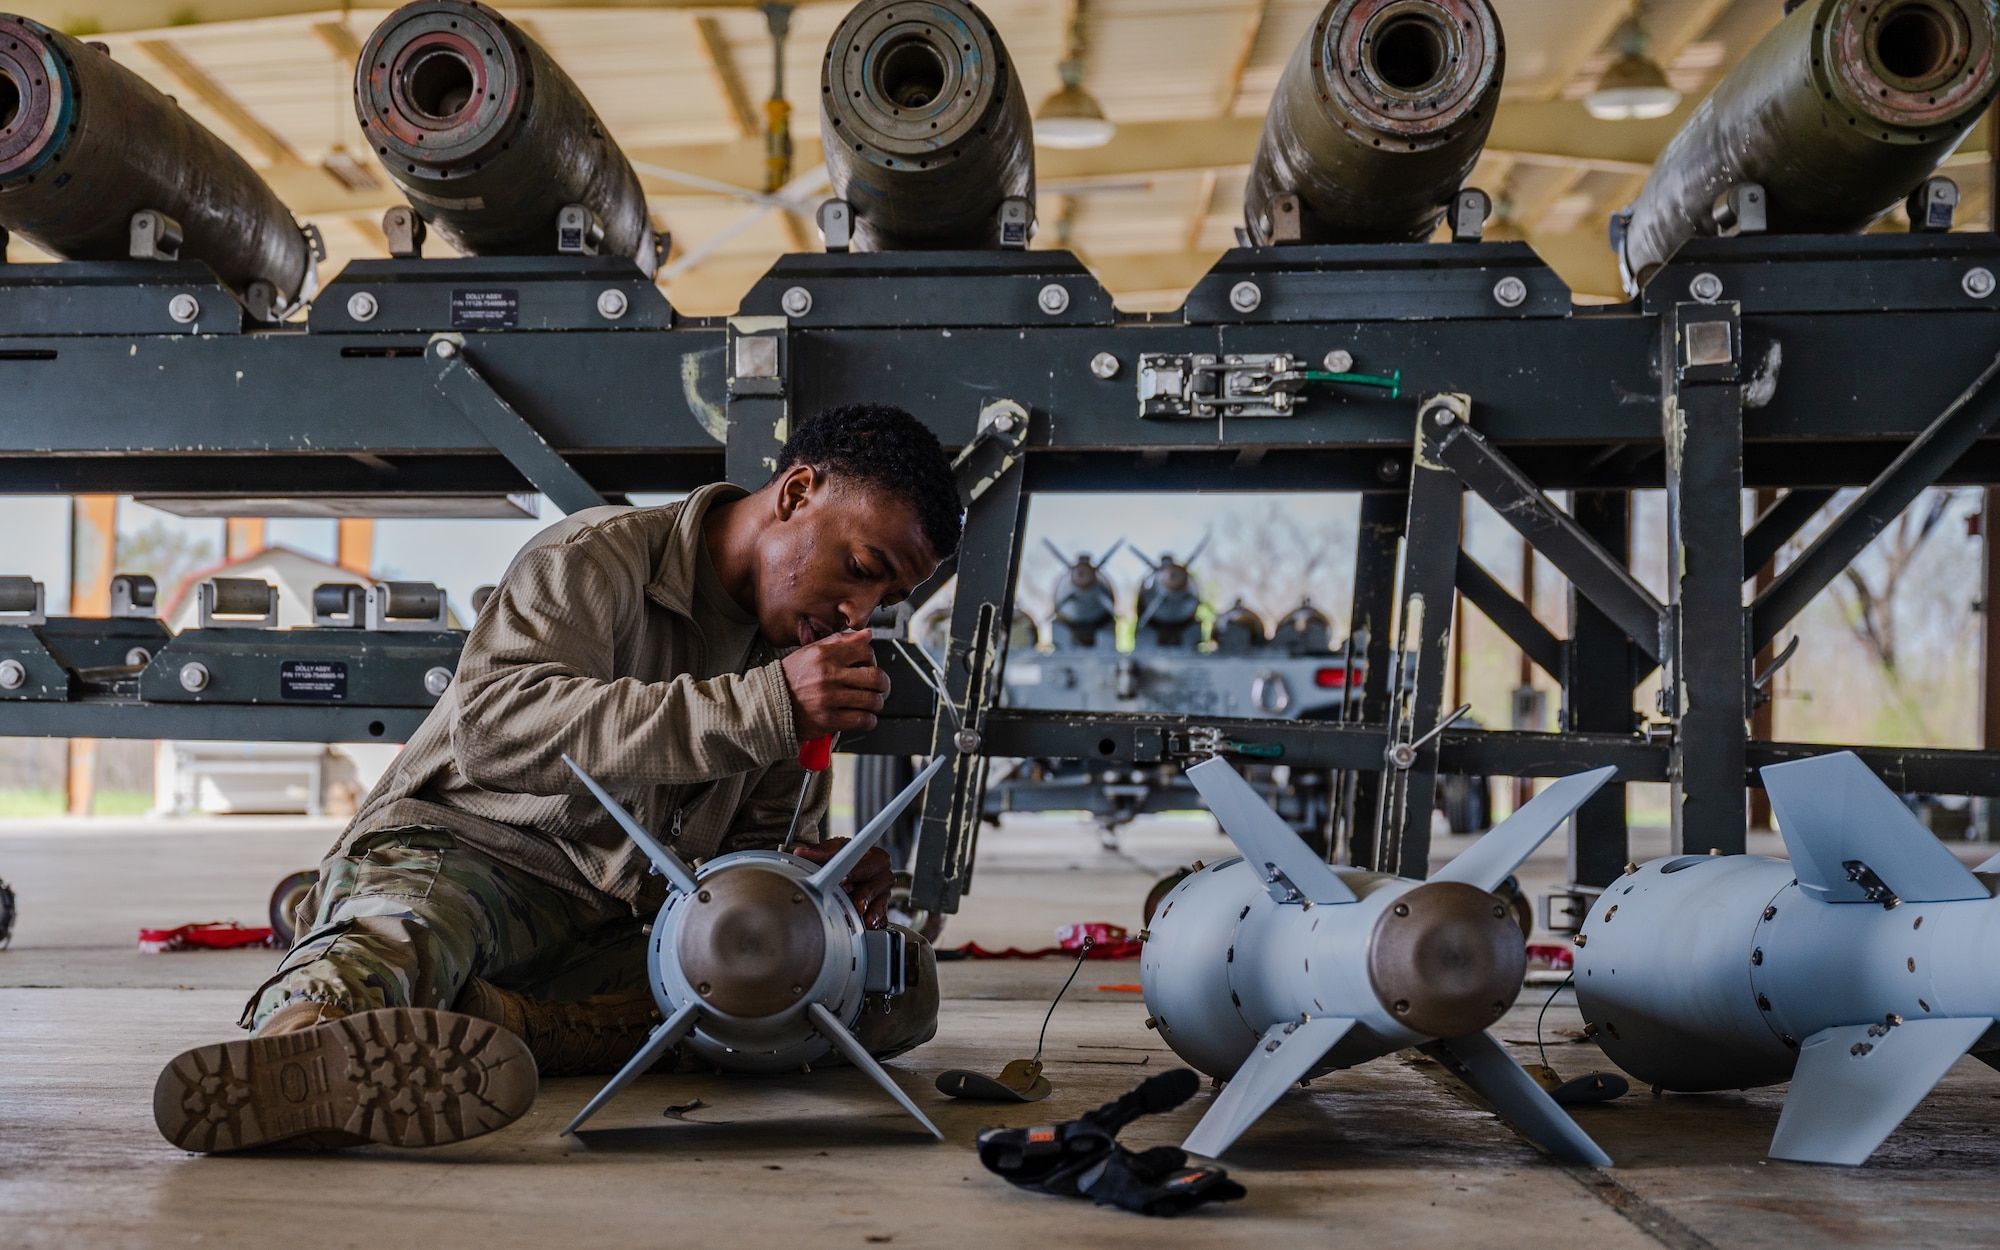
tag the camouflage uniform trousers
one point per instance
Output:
(410, 915)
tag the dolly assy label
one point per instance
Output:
(485, 310)
(323, 681)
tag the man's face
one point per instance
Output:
(839, 551)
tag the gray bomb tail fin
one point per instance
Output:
(670, 1031)
(1283, 862)
(1857, 1082)
(1283, 1056)
(1492, 859)
(855, 1053)
(1851, 840)
(671, 866)
(830, 873)
(1484, 1065)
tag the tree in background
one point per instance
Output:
(1907, 602)
(1871, 586)
(165, 554)
(1272, 556)
(1888, 651)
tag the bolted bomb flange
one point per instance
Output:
(439, 84)
(1446, 959)
(752, 947)
(1410, 68)
(752, 943)
(924, 125)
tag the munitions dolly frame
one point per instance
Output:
(1747, 361)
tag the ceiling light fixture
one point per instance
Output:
(1635, 87)
(1072, 117)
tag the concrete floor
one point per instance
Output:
(1378, 1155)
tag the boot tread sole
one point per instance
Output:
(400, 1076)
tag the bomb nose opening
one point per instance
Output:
(439, 84)
(1410, 53)
(910, 74)
(10, 101)
(1914, 43)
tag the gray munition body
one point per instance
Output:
(1728, 972)
(90, 143)
(1378, 119)
(1270, 968)
(759, 961)
(488, 138)
(1817, 116)
(924, 126)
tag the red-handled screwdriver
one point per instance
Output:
(815, 756)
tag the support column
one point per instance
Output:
(1764, 706)
(1708, 674)
(1371, 641)
(1597, 693)
(1423, 643)
(989, 563)
(1989, 685)
(1524, 685)
(354, 546)
(759, 357)
(93, 549)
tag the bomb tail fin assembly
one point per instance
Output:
(807, 1016)
(1442, 959)
(1851, 840)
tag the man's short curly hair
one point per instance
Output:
(882, 446)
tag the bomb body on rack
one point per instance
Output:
(87, 146)
(492, 143)
(926, 131)
(1830, 120)
(1377, 121)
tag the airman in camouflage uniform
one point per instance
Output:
(482, 907)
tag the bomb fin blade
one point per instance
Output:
(671, 866)
(1851, 840)
(1492, 859)
(828, 875)
(1284, 863)
(855, 1053)
(1485, 1065)
(1282, 1058)
(670, 1031)
(1856, 1082)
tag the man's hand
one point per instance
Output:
(836, 687)
(868, 885)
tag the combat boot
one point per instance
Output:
(314, 1078)
(589, 1037)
